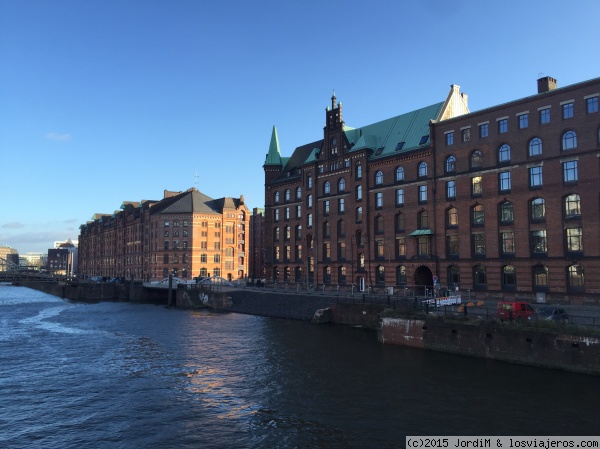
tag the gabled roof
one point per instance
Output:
(194, 201)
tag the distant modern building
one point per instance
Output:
(186, 234)
(9, 258)
(502, 201)
(33, 260)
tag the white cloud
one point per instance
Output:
(13, 225)
(65, 137)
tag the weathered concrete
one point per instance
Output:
(509, 342)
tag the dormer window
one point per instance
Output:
(400, 146)
(424, 140)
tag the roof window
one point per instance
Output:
(424, 140)
(379, 151)
(400, 146)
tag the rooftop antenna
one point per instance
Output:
(196, 179)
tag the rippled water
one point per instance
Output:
(120, 375)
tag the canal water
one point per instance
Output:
(121, 375)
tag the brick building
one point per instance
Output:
(186, 234)
(501, 200)
(257, 243)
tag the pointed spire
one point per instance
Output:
(274, 155)
(333, 105)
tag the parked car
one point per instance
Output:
(514, 310)
(216, 280)
(176, 281)
(550, 314)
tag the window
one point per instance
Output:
(591, 105)
(276, 234)
(327, 250)
(476, 187)
(287, 232)
(287, 213)
(327, 275)
(326, 207)
(401, 275)
(572, 206)
(298, 211)
(544, 116)
(380, 275)
(452, 217)
(540, 276)
(450, 190)
(217, 258)
(452, 246)
(535, 177)
(423, 219)
(379, 200)
(502, 126)
(537, 209)
(423, 140)
(358, 193)
(309, 221)
(309, 182)
(574, 239)
(276, 197)
(399, 222)
(379, 248)
(509, 277)
(476, 159)
(453, 276)
(341, 185)
(399, 174)
(507, 242)
(504, 181)
(450, 164)
(504, 154)
(341, 205)
(538, 242)
(299, 193)
(379, 228)
(326, 230)
(298, 232)
(523, 121)
(535, 147)
(400, 247)
(423, 245)
(203, 258)
(506, 212)
(422, 194)
(276, 214)
(575, 276)
(341, 228)
(287, 195)
(483, 130)
(359, 171)
(379, 178)
(399, 197)
(569, 140)
(466, 134)
(479, 244)
(309, 201)
(342, 275)
(567, 110)
(449, 138)
(570, 172)
(327, 188)
(166, 258)
(478, 215)
(359, 238)
(359, 215)
(422, 169)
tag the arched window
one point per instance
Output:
(217, 272)
(479, 277)
(478, 215)
(540, 276)
(504, 153)
(537, 209)
(277, 197)
(287, 194)
(476, 159)
(358, 193)
(423, 219)
(575, 277)
(509, 277)
(275, 274)
(569, 140)
(399, 222)
(572, 206)
(288, 232)
(276, 234)
(342, 275)
(287, 273)
(379, 177)
(535, 147)
(341, 185)
(453, 276)
(452, 217)
(359, 214)
(422, 169)
(380, 274)
(358, 171)
(298, 232)
(379, 224)
(217, 258)
(401, 275)
(299, 193)
(450, 164)
(399, 174)
(327, 275)
(327, 187)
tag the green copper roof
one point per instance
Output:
(274, 155)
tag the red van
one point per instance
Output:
(514, 310)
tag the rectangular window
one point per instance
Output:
(452, 248)
(341, 205)
(298, 211)
(504, 181)
(483, 130)
(479, 244)
(502, 126)
(508, 242)
(538, 242)
(422, 194)
(379, 248)
(287, 213)
(592, 105)
(400, 247)
(309, 201)
(570, 172)
(327, 250)
(574, 237)
(544, 116)
(379, 200)
(399, 197)
(449, 138)
(423, 245)
(341, 250)
(298, 252)
(476, 187)
(535, 177)
(466, 134)
(326, 207)
(450, 190)
(276, 214)
(523, 121)
(567, 109)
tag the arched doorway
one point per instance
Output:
(423, 277)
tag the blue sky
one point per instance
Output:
(106, 101)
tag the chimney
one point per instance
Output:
(546, 84)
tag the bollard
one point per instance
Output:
(465, 309)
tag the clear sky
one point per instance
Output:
(107, 101)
